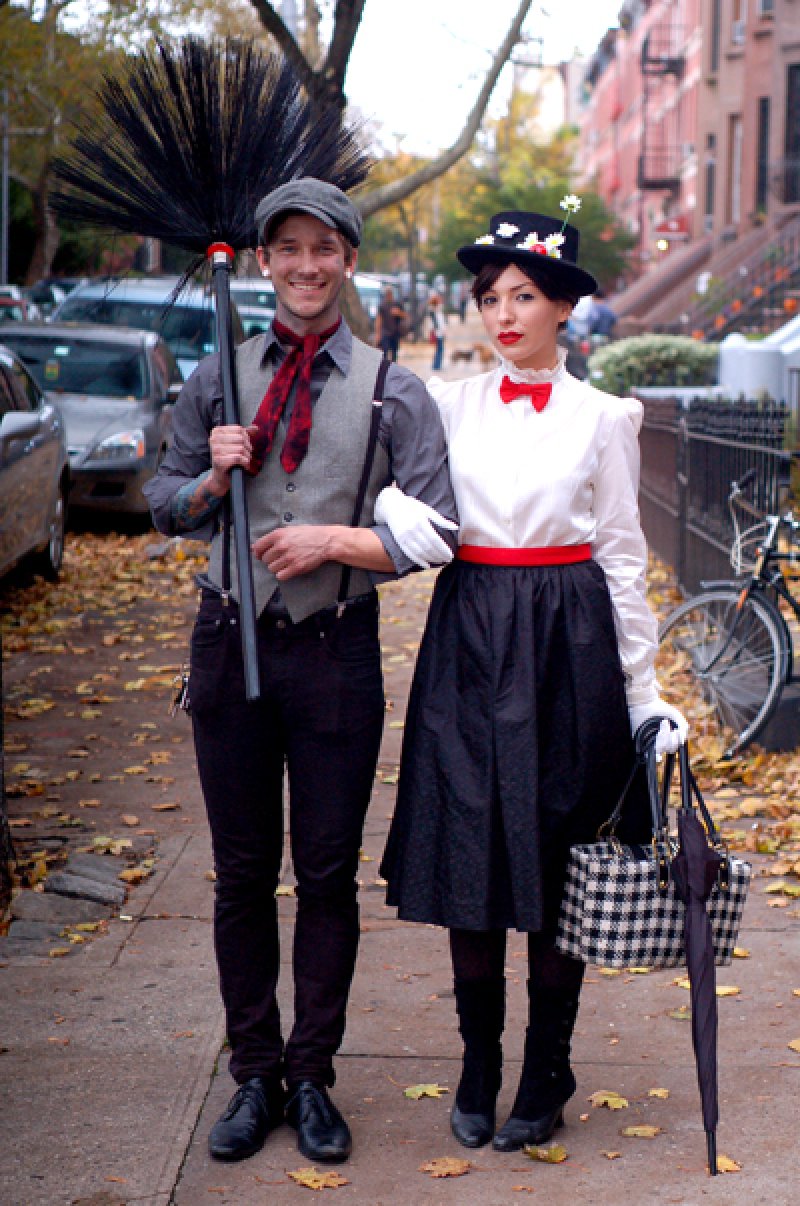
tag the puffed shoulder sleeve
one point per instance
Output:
(619, 546)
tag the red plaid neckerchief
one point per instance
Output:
(296, 366)
(539, 394)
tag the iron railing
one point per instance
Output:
(692, 449)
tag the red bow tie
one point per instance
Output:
(539, 394)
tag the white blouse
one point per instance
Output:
(568, 474)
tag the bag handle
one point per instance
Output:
(645, 755)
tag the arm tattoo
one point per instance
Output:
(194, 504)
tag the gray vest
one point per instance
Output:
(322, 490)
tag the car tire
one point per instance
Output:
(48, 562)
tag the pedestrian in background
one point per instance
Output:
(389, 324)
(535, 669)
(602, 318)
(437, 327)
(306, 390)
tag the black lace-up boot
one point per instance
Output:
(481, 1015)
(547, 1082)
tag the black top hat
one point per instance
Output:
(516, 236)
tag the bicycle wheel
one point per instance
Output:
(724, 667)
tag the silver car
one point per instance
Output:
(188, 325)
(34, 472)
(115, 389)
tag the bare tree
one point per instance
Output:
(325, 77)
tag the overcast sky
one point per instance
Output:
(417, 67)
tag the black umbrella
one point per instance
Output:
(696, 868)
(188, 139)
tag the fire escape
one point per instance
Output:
(661, 152)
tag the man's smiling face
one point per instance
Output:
(308, 262)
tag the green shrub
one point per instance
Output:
(671, 360)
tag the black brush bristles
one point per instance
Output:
(192, 137)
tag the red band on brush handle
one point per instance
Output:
(225, 247)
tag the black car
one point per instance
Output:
(115, 389)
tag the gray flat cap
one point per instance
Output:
(309, 196)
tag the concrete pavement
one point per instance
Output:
(113, 1067)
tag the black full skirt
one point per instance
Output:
(517, 744)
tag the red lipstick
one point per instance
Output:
(509, 337)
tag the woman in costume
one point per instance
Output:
(536, 666)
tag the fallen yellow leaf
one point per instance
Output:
(609, 1099)
(612, 1155)
(725, 1164)
(794, 1045)
(415, 1092)
(727, 990)
(446, 1166)
(639, 971)
(640, 1132)
(741, 952)
(312, 1179)
(548, 1155)
(662, 1093)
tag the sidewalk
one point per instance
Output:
(113, 1069)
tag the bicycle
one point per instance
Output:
(729, 648)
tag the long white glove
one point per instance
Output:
(411, 522)
(668, 739)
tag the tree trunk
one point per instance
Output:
(47, 232)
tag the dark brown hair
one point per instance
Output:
(491, 272)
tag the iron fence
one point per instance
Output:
(692, 449)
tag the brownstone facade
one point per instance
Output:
(691, 130)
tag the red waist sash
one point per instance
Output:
(564, 554)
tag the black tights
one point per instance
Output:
(481, 955)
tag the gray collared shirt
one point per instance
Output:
(410, 431)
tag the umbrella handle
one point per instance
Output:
(711, 1147)
(221, 259)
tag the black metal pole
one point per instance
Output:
(221, 262)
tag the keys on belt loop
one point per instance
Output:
(181, 700)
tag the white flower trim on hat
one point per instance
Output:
(550, 245)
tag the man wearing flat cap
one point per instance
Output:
(311, 448)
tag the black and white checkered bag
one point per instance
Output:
(620, 907)
(615, 914)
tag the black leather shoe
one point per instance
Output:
(322, 1133)
(255, 1109)
(517, 1133)
(471, 1130)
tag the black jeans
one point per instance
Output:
(320, 716)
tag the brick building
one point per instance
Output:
(691, 129)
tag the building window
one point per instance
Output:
(734, 206)
(762, 155)
(739, 22)
(710, 183)
(791, 182)
(716, 22)
(765, 8)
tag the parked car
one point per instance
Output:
(115, 389)
(34, 472)
(18, 309)
(188, 326)
(50, 291)
(370, 291)
(256, 302)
